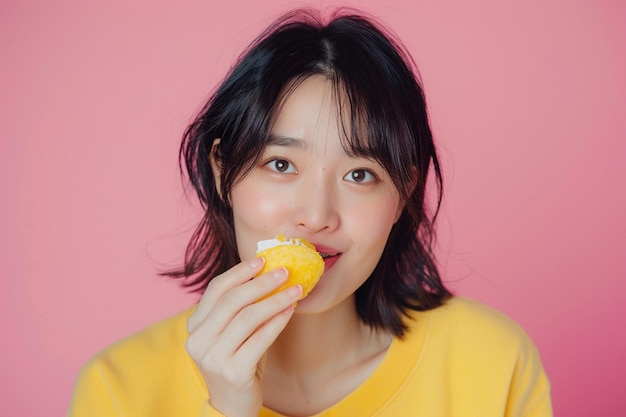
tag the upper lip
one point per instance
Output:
(325, 250)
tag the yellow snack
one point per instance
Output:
(304, 263)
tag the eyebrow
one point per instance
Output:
(279, 140)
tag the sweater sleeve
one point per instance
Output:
(96, 395)
(145, 374)
(92, 396)
(541, 408)
(529, 394)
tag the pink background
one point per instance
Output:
(528, 103)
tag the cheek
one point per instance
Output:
(254, 207)
(370, 225)
(256, 215)
(375, 217)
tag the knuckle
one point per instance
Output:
(195, 347)
(215, 284)
(191, 348)
(192, 322)
(208, 362)
(248, 316)
(231, 297)
(232, 375)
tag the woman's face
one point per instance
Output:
(305, 185)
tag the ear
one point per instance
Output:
(215, 166)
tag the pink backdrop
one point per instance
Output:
(528, 104)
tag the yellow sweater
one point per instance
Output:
(462, 359)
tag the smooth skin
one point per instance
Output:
(297, 361)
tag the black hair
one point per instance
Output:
(389, 123)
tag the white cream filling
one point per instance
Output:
(270, 243)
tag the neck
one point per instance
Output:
(319, 359)
(315, 344)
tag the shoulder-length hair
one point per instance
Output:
(389, 123)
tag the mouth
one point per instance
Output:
(329, 256)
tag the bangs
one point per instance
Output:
(373, 127)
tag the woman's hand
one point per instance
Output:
(230, 331)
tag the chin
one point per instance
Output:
(322, 299)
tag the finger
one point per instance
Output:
(254, 317)
(235, 300)
(212, 346)
(251, 352)
(237, 275)
(242, 365)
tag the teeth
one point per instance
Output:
(326, 255)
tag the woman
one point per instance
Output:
(320, 131)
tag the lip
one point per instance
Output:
(330, 261)
(332, 257)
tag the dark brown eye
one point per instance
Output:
(360, 176)
(281, 165)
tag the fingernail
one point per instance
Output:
(256, 262)
(295, 291)
(280, 274)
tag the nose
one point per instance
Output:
(316, 208)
